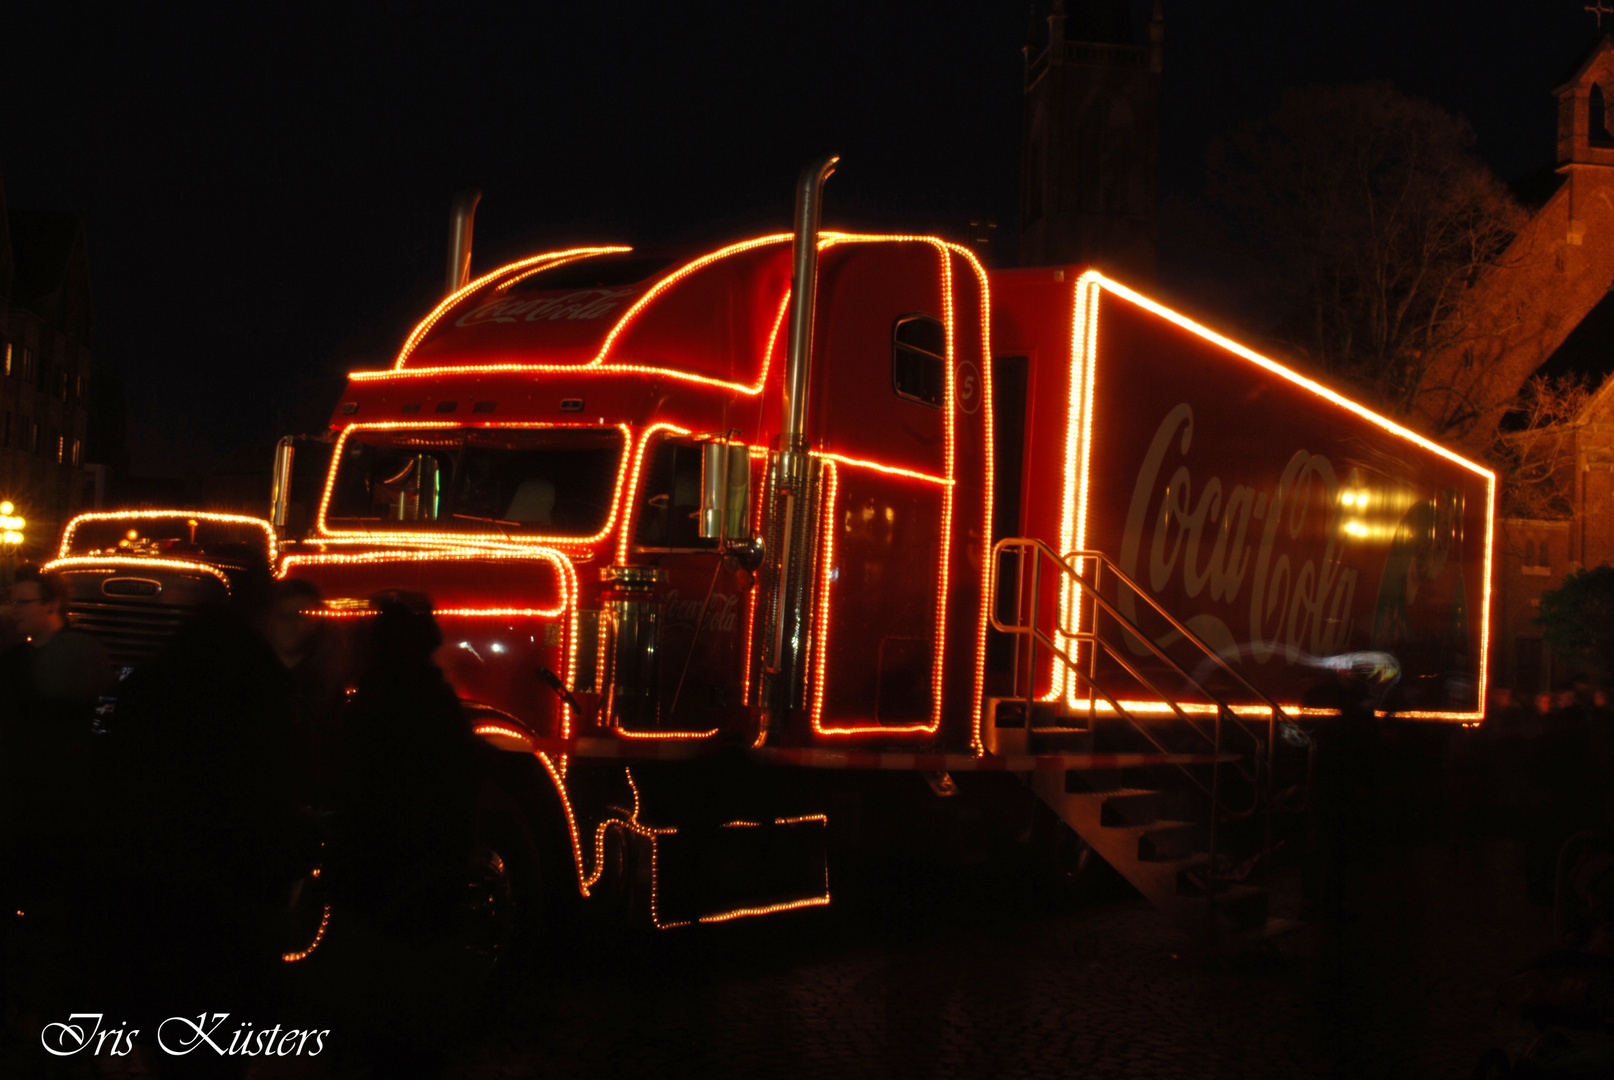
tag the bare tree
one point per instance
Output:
(1374, 218)
(1538, 440)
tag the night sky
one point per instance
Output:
(266, 187)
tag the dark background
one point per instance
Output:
(265, 187)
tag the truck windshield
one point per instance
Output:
(548, 481)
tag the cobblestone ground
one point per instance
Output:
(970, 973)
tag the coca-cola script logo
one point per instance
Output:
(1285, 575)
(583, 304)
(684, 610)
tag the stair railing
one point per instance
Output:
(1070, 576)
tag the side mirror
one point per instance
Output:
(725, 491)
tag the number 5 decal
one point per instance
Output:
(969, 387)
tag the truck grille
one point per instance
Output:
(130, 632)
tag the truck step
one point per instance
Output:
(1168, 839)
(1133, 806)
(1093, 781)
(1044, 715)
(1061, 741)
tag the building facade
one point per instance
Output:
(1091, 143)
(46, 334)
(1552, 306)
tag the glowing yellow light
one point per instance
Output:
(891, 470)
(192, 517)
(1356, 528)
(792, 905)
(826, 576)
(6, 508)
(133, 562)
(319, 935)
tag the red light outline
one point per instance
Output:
(947, 482)
(630, 493)
(456, 538)
(565, 570)
(424, 326)
(319, 936)
(677, 275)
(977, 745)
(749, 389)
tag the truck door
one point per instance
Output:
(881, 588)
(701, 636)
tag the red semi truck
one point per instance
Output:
(715, 537)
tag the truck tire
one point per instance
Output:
(502, 915)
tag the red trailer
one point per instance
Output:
(704, 547)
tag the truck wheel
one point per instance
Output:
(502, 911)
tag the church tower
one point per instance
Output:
(1091, 147)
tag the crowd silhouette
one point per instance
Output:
(167, 840)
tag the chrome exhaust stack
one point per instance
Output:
(462, 216)
(790, 510)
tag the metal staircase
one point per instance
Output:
(1160, 827)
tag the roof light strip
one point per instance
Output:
(677, 275)
(749, 389)
(425, 325)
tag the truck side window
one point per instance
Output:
(669, 497)
(918, 359)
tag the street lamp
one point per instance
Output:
(11, 537)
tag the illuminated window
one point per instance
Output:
(8, 359)
(918, 359)
(541, 481)
(60, 446)
(669, 496)
(78, 454)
